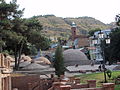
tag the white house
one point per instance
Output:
(95, 51)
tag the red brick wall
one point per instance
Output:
(78, 86)
(73, 32)
(31, 81)
(22, 82)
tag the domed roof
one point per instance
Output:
(75, 56)
(25, 58)
(42, 60)
(35, 66)
(24, 63)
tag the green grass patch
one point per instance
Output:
(117, 87)
(99, 77)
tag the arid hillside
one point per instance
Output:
(61, 27)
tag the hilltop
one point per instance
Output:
(61, 27)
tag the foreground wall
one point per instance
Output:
(5, 70)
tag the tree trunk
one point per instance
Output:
(1, 44)
(20, 51)
(16, 61)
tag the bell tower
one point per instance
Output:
(73, 29)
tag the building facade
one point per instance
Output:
(80, 40)
(95, 48)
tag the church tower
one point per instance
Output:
(73, 28)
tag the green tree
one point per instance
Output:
(115, 42)
(91, 32)
(117, 18)
(16, 32)
(115, 45)
(59, 62)
(33, 31)
(11, 27)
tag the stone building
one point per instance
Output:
(75, 56)
(5, 70)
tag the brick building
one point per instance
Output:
(79, 40)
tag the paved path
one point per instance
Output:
(88, 67)
(85, 67)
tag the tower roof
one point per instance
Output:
(73, 24)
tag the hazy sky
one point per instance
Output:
(103, 10)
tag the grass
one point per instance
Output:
(99, 77)
(117, 87)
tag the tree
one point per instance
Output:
(59, 62)
(115, 45)
(16, 32)
(33, 31)
(115, 42)
(91, 32)
(11, 27)
(117, 18)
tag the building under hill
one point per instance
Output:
(75, 57)
(78, 40)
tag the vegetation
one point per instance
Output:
(59, 62)
(114, 49)
(115, 45)
(99, 77)
(117, 87)
(91, 32)
(16, 33)
(57, 26)
(109, 73)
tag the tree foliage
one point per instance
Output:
(11, 27)
(91, 33)
(16, 32)
(115, 42)
(59, 62)
(115, 45)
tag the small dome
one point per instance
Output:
(73, 24)
(42, 60)
(75, 56)
(25, 58)
(24, 63)
(35, 66)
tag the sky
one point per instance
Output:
(103, 10)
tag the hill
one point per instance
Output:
(61, 27)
